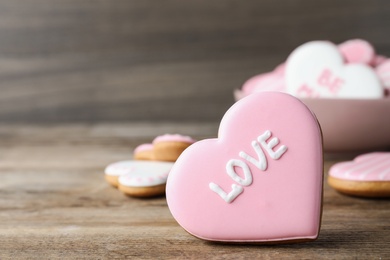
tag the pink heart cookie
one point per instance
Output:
(317, 69)
(357, 51)
(259, 181)
(368, 175)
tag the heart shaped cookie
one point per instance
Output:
(259, 181)
(317, 69)
(357, 51)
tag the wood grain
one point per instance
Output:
(54, 203)
(99, 60)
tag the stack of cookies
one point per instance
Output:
(146, 175)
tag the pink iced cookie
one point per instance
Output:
(368, 175)
(357, 51)
(174, 138)
(169, 147)
(317, 70)
(143, 152)
(144, 178)
(259, 181)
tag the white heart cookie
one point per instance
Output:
(317, 69)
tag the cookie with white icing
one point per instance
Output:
(367, 175)
(143, 178)
(317, 70)
(114, 170)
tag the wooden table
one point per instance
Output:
(54, 203)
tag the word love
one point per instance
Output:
(260, 163)
(326, 80)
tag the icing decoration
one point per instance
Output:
(217, 193)
(316, 69)
(260, 164)
(119, 168)
(357, 51)
(236, 190)
(268, 147)
(232, 173)
(141, 173)
(367, 167)
(143, 147)
(174, 138)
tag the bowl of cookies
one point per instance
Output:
(347, 87)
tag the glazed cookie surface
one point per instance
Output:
(114, 170)
(367, 175)
(144, 178)
(260, 181)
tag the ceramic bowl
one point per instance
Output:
(350, 125)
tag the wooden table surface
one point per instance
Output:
(54, 203)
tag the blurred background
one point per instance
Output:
(114, 61)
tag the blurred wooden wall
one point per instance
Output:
(123, 60)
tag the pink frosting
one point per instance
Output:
(174, 138)
(367, 167)
(143, 147)
(259, 181)
(357, 51)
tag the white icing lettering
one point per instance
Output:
(236, 190)
(328, 80)
(261, 164)
(230, 170)
(271, 144)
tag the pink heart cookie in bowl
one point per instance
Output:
(260, 181)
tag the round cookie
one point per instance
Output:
(367, 175)
(144, 178)
(114, 170)
(143, 152)
(169, 147)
